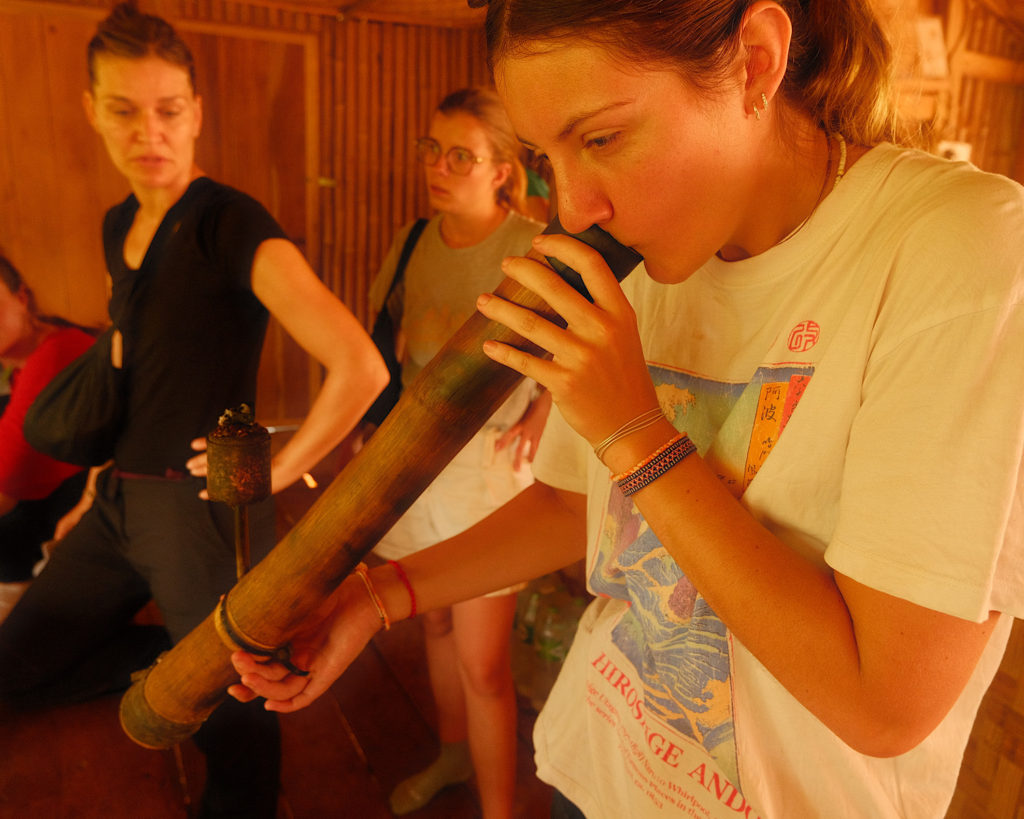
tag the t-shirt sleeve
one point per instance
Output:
(236, 230)
(26, 474)
(382, 281)
(561, 459)
(932, 507)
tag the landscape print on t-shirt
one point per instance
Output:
(676, 643)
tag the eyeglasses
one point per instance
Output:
(460, 160)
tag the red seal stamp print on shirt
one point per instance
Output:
(804, 336)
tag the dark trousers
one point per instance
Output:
(30, 524)
(563, 808)
(71, 636)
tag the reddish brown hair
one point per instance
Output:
(840, 62)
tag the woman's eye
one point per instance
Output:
(462, 155)
(604, 140)
(169, 113)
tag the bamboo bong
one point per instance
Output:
(435, 417)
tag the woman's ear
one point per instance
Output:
(501, 174)
(89, 104)
(765, 34)
(199, 115)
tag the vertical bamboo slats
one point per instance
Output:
(390, 77)
(986, 86)
(311, 113)
(49, 224)
(314, 113)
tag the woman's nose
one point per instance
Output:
(581, 205)
(148, 126)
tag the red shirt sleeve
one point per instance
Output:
(26, 474)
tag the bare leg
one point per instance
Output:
(481, 628)
(453, 763)
(445, 680)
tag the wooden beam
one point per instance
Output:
(435, 20)
(1010, 13)
(446, 14)
(988, 68)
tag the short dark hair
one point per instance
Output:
(127, 32)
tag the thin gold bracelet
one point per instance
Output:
(642, 421)
(364, 575)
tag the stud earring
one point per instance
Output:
(764, 102)
(756, 112)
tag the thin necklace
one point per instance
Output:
(842, 160)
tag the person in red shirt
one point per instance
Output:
(35, 490)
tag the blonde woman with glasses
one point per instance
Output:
(477, 190)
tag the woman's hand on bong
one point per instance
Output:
(597, 374)
(330, 640)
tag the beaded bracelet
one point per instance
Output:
(655, 465)
(642, 421)
(378, 604)
(408, 586)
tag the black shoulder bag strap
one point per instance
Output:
(383, 335)
(403, 259)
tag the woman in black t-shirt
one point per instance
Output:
(196, 269)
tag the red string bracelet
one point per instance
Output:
(408, 586)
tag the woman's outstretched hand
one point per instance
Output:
(525, 433)
(597, 374)
(329, 641)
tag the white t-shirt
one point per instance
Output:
(860, 388)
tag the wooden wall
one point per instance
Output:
(311, 112)
(970, 90)
(386, 79)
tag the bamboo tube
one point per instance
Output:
(435, 417)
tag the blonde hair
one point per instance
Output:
(484, 105)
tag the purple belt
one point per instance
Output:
(169, 475)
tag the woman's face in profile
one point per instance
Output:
(149, 118)
(635, 149)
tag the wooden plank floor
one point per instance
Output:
(340, 757)
(343, 755)
(991, 784)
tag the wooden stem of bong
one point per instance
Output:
(242, 543)
(436, 416)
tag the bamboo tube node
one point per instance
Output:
(141, 721)
(232, 636)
